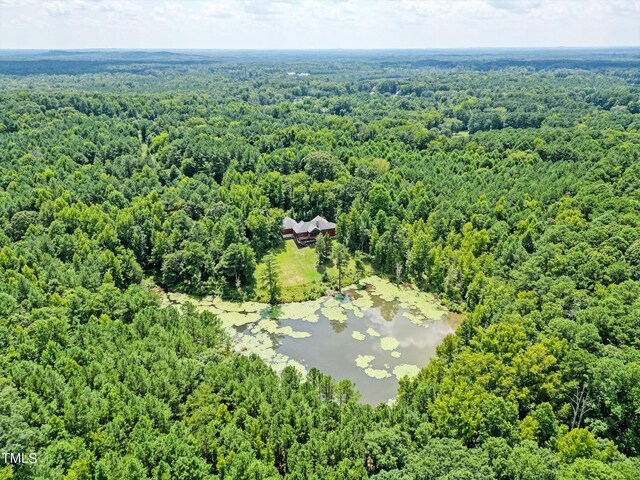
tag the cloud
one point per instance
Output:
(16, 3)
(120, 7)
(286, 10)
(174, 13)
(416, 11)
(199, 13)
(470, 11)
(220, 9)
(336, 11)
(320, 23)
(63, 8)
(28, 21)
(262, 9)
(516, 6)
(70, 7)
(621, 7)
(282, 11)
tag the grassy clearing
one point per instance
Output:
(297, 265)
(298, 274)
(301, 279)
(348, 273)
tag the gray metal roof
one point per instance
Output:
(305, 227)
(323, 223)
(319, 223)
(289, 222)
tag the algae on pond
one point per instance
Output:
(361, 336)
(389, 343)
(358, 335)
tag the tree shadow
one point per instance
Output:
(279, 249)
(322, 268)
(273, 311)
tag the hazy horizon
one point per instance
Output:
(377, 49)
(317, 24)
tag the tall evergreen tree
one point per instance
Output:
(271, 279)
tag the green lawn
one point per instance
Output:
(298, 274)
(297, 265)
(299, 277)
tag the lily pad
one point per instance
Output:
(279, 362)
(405, 369)
(363, 361)
(178, 297)
(299, 310)
(407, 297)
(358, 335)
(334, 313)
(372, 333)
(389, 343)
(209, 308)
(292, 333)
(363, 301)
(237, 306)
(268, 325)
(349, 306)
(384, 289)
(238, 319)
(377, 373)
(313, 318)
(332, 302)
(260, 344)
(428, 306)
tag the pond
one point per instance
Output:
(373, 336)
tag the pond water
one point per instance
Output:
(373, 336)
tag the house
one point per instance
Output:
(305, 233)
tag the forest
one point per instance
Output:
(506, 183)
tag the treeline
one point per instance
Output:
(514, 196)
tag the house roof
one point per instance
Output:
(289, 222)
(318, 223)
(305, 227)
(323, 223)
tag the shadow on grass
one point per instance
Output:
(322, 267)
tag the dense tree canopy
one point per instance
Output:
(508, 187)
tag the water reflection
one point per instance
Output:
(332, 349)
(330, 334)
(388, 310)
(337, 327)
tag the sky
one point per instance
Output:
(317, 24)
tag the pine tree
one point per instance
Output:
(271, 278)
(323, 248)
(341, 259)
